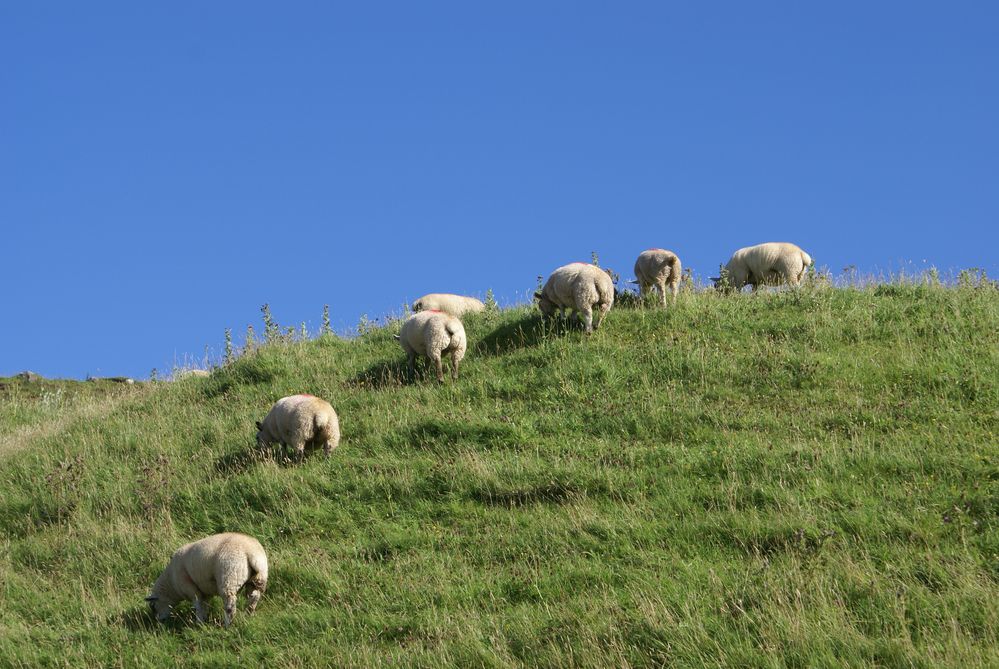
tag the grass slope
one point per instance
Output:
(791, 479)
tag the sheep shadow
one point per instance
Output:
(140, 619)
(524, 333)
(396, 374)
(545, 493)
(239, 462)
(380, 375)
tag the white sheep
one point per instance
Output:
(764, 264)
(434, 334)
(222, 564)
(658, 268)
(456, 305)
(581, 287)
(299, 421)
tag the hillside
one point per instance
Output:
(803, 478)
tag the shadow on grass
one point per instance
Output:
(525, 333)
(238, 462)
(554, 492)
(382, 375)
(396, 374)
(137, 620)
(434, 435)
(140, 619)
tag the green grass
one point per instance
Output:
(785, 479)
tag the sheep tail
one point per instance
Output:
(258, 571)
(321, 425)
(675, 270)
(806, 259)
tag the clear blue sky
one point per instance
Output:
(166, 170)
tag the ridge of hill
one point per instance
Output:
(795, 478)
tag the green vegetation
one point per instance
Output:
(800, 478)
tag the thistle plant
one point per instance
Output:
(272, 331)
(230, 355)
(326, 328)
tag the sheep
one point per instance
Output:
(222, 564)
(188, 373)
(769, 263)
(299, 421)
(658, 267)
(433, 333)
(456, 305)
(578, 286)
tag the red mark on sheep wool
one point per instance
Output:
(305, 395)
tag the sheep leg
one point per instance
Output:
(587, 315)
(299, 450)
(253, 597)
(604, 308)
(674, 288)
(438, 367)
(199, 610)
(455, 361)
(411, 355)
(229, 601)
(661, 287)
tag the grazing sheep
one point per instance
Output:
(578, 286)
(764, 264)
(434, 334)
(222, 564)
(456, 305)
(299, 421)
(658, 267)
(187, 373)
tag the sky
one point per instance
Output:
(167, 169)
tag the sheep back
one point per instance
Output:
(658, 267)
(455, 305)
(221, 564)
(579, 286)
(299, 421)
(771, 262)
(432, 331)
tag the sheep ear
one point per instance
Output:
(151, 598)
(716, 279)
(259, 426)
(537, 295)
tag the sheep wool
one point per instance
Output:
(581, 287)
(434, 334)
(658, 268)
(771, 263)
(456, 305)
(298, 421)
(222, 564)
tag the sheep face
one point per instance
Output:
(418, 306)
(547, 306)
(261, 439)
(159, 607)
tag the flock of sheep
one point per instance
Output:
(225, 564)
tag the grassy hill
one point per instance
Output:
(800, 478)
